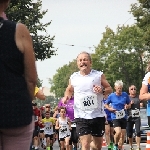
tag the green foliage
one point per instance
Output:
(30, 14)
(141, 12)
(39, 82)
(119, 55)
(61, 78)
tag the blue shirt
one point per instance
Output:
(118, 102)
(148, 103)
(108, 113)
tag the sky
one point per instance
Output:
(79, 23)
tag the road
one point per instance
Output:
(126, 146)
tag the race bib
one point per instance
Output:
(73, 125)
(36, 119)
(89, 102)
(135, 113)
(48, 127)
(63, 129)
(120, 114)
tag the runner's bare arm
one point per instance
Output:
(144, 95)
(69, 122)
(69, 90)
(106, 85)
(57, 125)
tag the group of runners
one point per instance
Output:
(89, 111)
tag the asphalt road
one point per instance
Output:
(126, 146)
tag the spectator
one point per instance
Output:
(17, 83)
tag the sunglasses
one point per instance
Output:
(47, 106)
(33, 104)
(133, 89)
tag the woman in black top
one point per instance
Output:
(17, 84)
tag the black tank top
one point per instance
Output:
(15, 101)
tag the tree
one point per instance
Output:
(120, 55)
(30, 14)
(61, 78)
(141, 12)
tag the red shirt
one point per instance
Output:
(37, 114)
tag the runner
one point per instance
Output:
(70, 113)
(145, 91)
(48, 123)
(109, 130)
(119, 102)
(134, 118)
(41, 134)
(88, 86)
(37, 115)
(64, 125)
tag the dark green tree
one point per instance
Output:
(141, 13)
(30, 14)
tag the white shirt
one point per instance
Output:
(83, 86)
(64, 130)
(146, 78)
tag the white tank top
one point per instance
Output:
(87, 104)
(64, 130)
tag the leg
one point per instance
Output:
(36, 139)
(84, 132)
(117, 135)
(130, 131)
(74, 138)
(117, 130)
(123, 123)
(111, 134)
(18, 138)
(107, 134)
(98, 128)
(96, 143)
(138, 134)
(85, 142)
(62, 143)
(67, 142)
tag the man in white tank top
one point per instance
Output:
(88, 86)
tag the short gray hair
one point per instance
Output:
(84, 52)
(118, 83)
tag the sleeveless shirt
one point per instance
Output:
(64, 130)
(15, 101)
(85, 97)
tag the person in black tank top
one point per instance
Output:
(17, 83)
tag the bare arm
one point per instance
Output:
(109, 108)
(69, 90)
(25, 45)
(144, 95)
(57, 125)
(40, 95)
(106, 85)
(69, 122)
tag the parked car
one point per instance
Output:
(144, 126)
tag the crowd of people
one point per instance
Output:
(88, 111)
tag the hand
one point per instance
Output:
(125, 106)
(97, 89)
(112, 110)
(70, 128)
(65, 99)
(132, 102)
